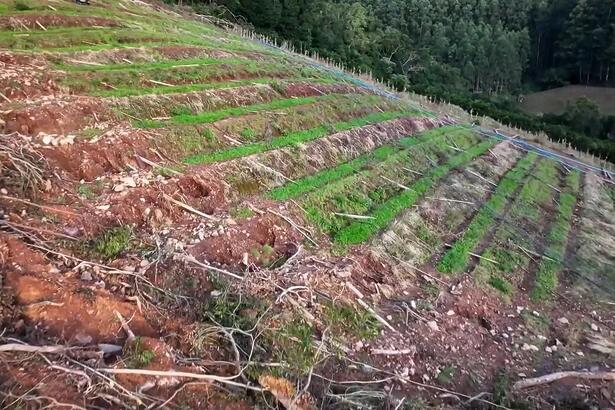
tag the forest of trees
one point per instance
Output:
(475, 53)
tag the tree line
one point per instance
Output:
(460, 50)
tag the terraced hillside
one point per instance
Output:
(192, 219)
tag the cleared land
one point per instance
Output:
(554, 101)
(190, 219)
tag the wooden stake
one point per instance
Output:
(351, 216)
(161, 83)
(476, 174)
(396, 183)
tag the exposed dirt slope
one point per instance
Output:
(189, 219)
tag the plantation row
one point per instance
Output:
(518, 234)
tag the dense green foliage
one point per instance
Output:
(484, 45)
(464, 51)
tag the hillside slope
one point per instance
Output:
(191, 219)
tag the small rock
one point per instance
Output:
(129, 182)
(450, 312)
(86, 276)
(548, 349)
(215, 293)
(563, 320)
(3, 191)
(520, 309)
(527, 347)
(535, 313)
(521, 375)
(579, 353)
(231, 221)
(553, 348)
(119, 188)
(53, 270)
(594, 327)
(433, 325)
(389, 317)
(358, 346)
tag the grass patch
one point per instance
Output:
(550, 265)
(350, 321)
(289, 139)
(501, 284)
(359, 232)
(456, 259)
(241, 212)
(138, 357)
(327, 176)
(113, 242)
(213, 116)
(446, 374)
(85, 191)
(294, 346)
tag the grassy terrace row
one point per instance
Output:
(327, 176)
(125, 83)
(456, 259)
(360, 193)
(359, 232)
(190, 140)
(521, 228)
(81, 39)
(291, 139)
(552, 261)
(148, 66)
(188, 88)
(213, 116)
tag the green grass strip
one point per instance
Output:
(359, 232)
(551, 263)
(456, 259)
(290, 139)
(213, 116)
(188, 88)
(327, 176)
(157, 65)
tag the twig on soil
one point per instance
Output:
(40, 25)
(361, 302)
(402, 186)
(4, 97)
(18, 347)
(422, 272)
(273, 171)
(155, 165)
(479, 176)
(412, 171)
(127, 330)
(391, 352)
(171, 373)
(450, 200)
(189, 208)
(48, 208)
(160, 83)
(302, 230)
(41, 230)
(550, 378)
(192, 259)
(448, 245)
